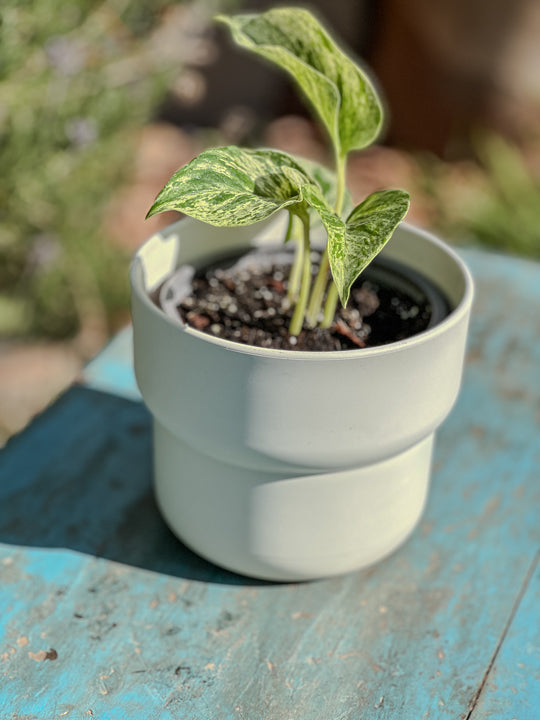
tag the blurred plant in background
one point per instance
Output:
(78, 79)
(492, 201)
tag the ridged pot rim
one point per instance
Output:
(455, 316)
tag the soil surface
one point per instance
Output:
(246, 302)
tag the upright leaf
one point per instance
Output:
(367, 229)
(231, 186)
(338, 89)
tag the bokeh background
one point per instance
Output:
(101, 101)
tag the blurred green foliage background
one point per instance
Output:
(77, 78)
(493, 201)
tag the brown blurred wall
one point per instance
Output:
(448, 66)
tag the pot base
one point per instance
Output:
(288, 527)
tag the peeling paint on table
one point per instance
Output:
(105, 615)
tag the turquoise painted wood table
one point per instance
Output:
(105, 615)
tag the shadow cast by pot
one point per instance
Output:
(80, 477)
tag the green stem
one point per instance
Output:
(341, 163)
(321, 281)
(296, 270)
(317, 293)
(288, 231)
(330, 305)
(297, 320)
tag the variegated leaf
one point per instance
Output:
(367, 229)
(333, 224)
(338, 89)
(230, 186)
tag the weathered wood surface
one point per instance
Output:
(105, 615)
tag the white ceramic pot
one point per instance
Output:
(291, 465)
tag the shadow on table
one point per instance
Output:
(79, 477)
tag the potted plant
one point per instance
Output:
(287, 461)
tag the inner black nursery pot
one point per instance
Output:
(243, 299)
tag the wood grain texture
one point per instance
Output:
(105, 614)
(512, 687)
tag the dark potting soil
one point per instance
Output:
(246, 302)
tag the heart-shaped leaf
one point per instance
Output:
(338, 89)
(230, 186)
(367, 229)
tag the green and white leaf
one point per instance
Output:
(231, 186)
(366, 231)
(339, 91)
(333, 224)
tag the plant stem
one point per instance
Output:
(321, 281)
(330, 305)
(341, 162)
(288, 231)
(297, 320)
(296, 270)
(317, 293)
